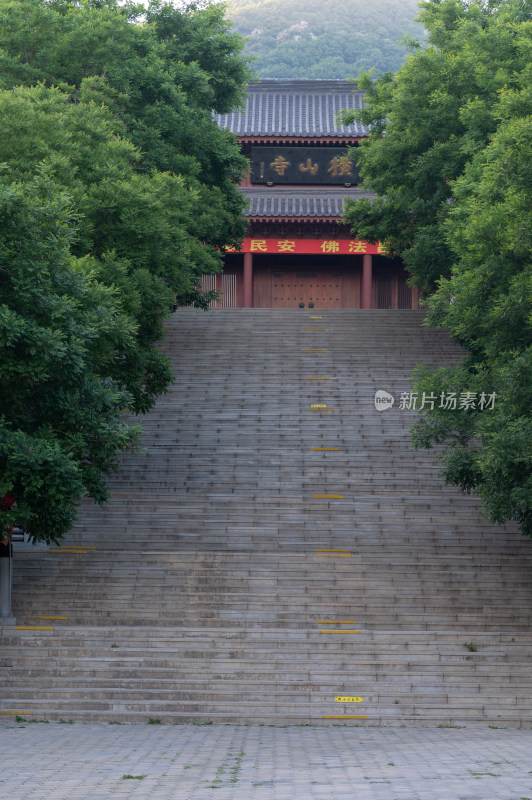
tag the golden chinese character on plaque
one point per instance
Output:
(280, 164)
(358, 247)
(286, 246)
(330, 247)
(381, 249)
(340, 166)
(309, 167)
(259, 246)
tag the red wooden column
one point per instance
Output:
(367, 280)
(248, 280)
(415, 297)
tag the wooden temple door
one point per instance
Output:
(290, 288)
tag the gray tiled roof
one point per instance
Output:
(311, 203)
(295, 108)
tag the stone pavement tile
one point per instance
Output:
(239, 762)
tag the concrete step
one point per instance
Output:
(201, 598)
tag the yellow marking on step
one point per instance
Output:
(329, 716)
(75, 547)
(34, 616)
(124, 411)
(318, 379)
(328, 496)
(335, 622)
(15, 712)
(312, 316)
(342, 699)
(339, 631)
(324, 448)
(334, 555)
(33, 628)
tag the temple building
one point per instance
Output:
(297, 252)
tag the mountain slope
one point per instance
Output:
(324, 38)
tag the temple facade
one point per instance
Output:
(297, 252)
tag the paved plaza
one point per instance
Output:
(79, 761)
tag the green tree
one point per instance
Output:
(128, 131)
(144, 226)
(111, 139)
(487, 304)
(449, 155)
(162, 76)
(153, 176)
(60, 329)
(427, 122)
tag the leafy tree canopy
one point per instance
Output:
(60, 330)
(428, 121)
(449, 155)
(111, 129)
(324, 38)
(487, 304)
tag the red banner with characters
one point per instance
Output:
(343, 247)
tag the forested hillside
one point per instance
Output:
(325, 38)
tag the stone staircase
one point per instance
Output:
(263, 556)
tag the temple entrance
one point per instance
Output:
(313, 289)
(315, 281)
(308, 281)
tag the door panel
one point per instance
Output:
(289, 289)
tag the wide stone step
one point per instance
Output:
(202, 597)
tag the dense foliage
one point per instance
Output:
(60, 331)
(455, 166)
(118, 192)
(437, 111)
(324, 38)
